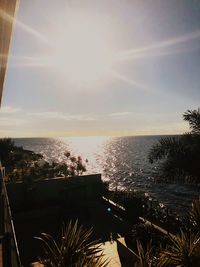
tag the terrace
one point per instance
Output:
(49, 203)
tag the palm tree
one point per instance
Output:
(170, 150)
(180, 156)
(74, 249)
(193, 117)
(184, 251)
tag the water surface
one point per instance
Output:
(123, 161)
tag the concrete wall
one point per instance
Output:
(55, 190)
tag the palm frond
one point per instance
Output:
(74, 248)
(184, 251)
(165, 147)
(145, 255)
(195, 213)
(180, 155)
(193, 117)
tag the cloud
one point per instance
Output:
(61, 116)
(124, 55)
(120, 114)
(11, 116)
(7, 121)
(9, 110)
(130, 81)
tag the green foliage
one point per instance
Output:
(9, 153)
(166, 147)
(193, 117)
(180, 156)
(181, 250)
(184, 251)
(25, 165)
(72, 166)
(6, 148)
(13, 157)
(73, 249)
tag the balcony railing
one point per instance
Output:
(8, 241)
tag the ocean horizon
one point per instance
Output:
(122, 161)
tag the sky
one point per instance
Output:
(84, 68)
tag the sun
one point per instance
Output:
(82, 51)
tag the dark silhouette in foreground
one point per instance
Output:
(180, 155)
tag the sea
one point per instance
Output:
(123, 163)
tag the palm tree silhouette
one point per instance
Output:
(180, 155)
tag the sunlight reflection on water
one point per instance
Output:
(123, 161)
(89, 148)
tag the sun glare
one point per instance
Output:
(82, 51)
